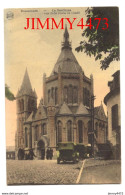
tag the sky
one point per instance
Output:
(38, 50)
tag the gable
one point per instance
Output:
(64, 109)
(82, 110)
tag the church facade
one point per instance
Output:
(64, 114)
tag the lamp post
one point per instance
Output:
(92, 123)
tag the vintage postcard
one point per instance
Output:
(62, 88)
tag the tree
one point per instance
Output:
(8, 94)
(102, 43)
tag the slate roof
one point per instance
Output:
(82, 110)
(26, 88)
(65, 110)
(30, 118)
(67, 62)
(99, 113)
(41, 113)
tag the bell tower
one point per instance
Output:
(26, 103)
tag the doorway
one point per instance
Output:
(41, 150)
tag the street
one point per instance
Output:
(38, 172)
(101, 172)
(22, 172)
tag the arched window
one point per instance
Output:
(69, 131)
(66, 94)
(48, 95)
(22, 105)
(70, 94)
(100, 126)
(52, 92)
(33, 104)
(89, 127)
(26, 137)
(59, 128)
(44, 129)
(90, 139)
(56, 95)
(36, 134)
(75, 95)
(88, 98)
(114, 117)
(29, 105)
(80, 131)
(103, 127)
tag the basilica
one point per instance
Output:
(64, 113)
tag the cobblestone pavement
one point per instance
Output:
(21, 172)
(101, 172)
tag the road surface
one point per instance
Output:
(41, 172)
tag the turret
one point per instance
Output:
(66, 43)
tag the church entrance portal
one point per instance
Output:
(41, 150)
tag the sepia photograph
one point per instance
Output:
(62, 96)
(63, 99)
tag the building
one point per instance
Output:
(112, 100)
(65, 113)
(10, 152)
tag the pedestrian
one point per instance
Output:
(51, 153)
(19, 154)
(47, 154)
(22, 154)
(31, 154)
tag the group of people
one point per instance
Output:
(21, 154)
(30, 155)
(49, 154)
(25, 156)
